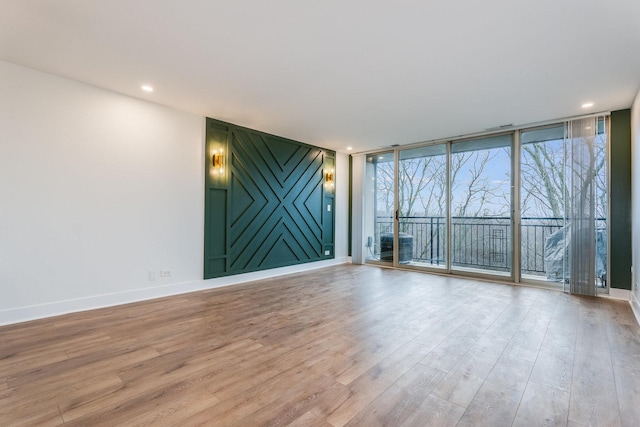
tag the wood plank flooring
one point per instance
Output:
(341, 346)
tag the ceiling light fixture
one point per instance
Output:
(147, 88)
(587, 105)
(349, 148)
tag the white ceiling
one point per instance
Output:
(360, 73)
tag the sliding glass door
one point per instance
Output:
(450, 192)
(380, 224)
(543, 194)
(564, 205)
(422, 206)
(453, 206)
(481, 208)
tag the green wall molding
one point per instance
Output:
(267, 206)
(620, 196)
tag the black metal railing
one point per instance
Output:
(477, 242)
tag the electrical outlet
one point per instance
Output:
(165, 273)
(327, 252)
(152, 276)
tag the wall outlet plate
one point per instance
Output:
(165, 273)
(152, 276)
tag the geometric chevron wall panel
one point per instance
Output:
(266, 203)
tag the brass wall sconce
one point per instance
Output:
(217, 161)
(329, 179)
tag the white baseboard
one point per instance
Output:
(626, 295)
(635, 307)
(621, 294)
(33, 312)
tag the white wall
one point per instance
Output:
(342, 206)
(635, 203)
(358, 254)
(96, 190)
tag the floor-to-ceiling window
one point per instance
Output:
(549, 225)
(543, 192)
(380, 208)
(601, 188)
(422, 204)
(481, 220)
(453, 205)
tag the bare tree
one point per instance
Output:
(477, 195)
(422, 183)
(416, 179)
(543, 179)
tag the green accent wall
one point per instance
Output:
(620, 209)
(268, 205)
(350, 203)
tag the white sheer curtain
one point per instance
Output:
(581, 204)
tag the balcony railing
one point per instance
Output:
(478, 242)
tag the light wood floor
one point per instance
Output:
(351, 345)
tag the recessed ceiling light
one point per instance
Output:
(587, 105)
(349, 148)
(147, 88)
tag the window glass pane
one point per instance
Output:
(543, 187)
(500, 141)
(481, 205)
(379, 207)
(422, 185)
(555, 133)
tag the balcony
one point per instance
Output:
(480, 243)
